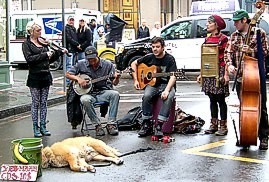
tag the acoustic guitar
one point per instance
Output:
(148, 75)
(84, 90)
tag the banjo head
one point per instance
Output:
(83, 90)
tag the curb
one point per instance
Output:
(27, 107)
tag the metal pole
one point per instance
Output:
(7, 29)
(99, 5)
(64, 45)
(188, 7)
(139, 8)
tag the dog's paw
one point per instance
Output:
(83, 169)
(92, 169)
(119, 161)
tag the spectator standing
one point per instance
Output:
(84, 35)
(156, 31)
(72, 44)
(94, 26)
(143, 30)
(100, 34)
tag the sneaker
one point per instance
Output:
(146, 129)
(158, 130)
(263, 144)
(99, 130)
(112, 129)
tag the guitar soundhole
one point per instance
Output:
(149, 76)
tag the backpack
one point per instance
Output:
(186, 123)
(132, 120)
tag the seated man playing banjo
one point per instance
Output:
(101, 78)
(165, 87)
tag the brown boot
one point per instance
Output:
(213, 126)
(223, 128)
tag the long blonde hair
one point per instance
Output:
(83, 29)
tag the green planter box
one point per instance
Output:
(4, 75)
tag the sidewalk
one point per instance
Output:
(17, 100)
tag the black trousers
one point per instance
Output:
(264, 126)
(218, 101)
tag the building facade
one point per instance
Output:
(131, 11)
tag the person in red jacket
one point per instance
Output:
(216, 93)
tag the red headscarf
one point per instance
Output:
(219, 21)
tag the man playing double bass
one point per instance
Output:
(233, 53)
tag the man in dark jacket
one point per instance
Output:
(72, 44)
(143, 30)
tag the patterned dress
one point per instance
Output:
(209, 84)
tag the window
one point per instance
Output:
(179, 30)
(230, 28)
(201, 28)
(20, 25)
(264, 25)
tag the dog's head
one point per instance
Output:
(47, 156)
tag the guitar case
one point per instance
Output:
(168, 125)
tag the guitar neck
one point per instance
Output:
(163, 74)
(101, 78)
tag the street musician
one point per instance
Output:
(39, 57)
(236, 47)
(216, 86)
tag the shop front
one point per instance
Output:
(4, 63)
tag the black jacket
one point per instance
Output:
(37, 58)
(71, 39)
(73, 107)
(84, 38)
(39, 64)
(142, 33)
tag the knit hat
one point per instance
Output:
(219, 21)
(240, 14)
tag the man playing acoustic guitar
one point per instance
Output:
(101, 91)
(164, 87)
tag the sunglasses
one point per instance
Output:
(81, 20)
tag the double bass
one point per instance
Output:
(250, 96)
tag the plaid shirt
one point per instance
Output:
(233, 50)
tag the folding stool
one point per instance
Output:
(103, 110)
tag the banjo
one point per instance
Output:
(84, 90)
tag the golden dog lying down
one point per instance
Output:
(76, 152)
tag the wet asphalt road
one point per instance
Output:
(195, 157)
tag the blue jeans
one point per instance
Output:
(70, 61)
(81, 55)
(150, 94)
(110, 96)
